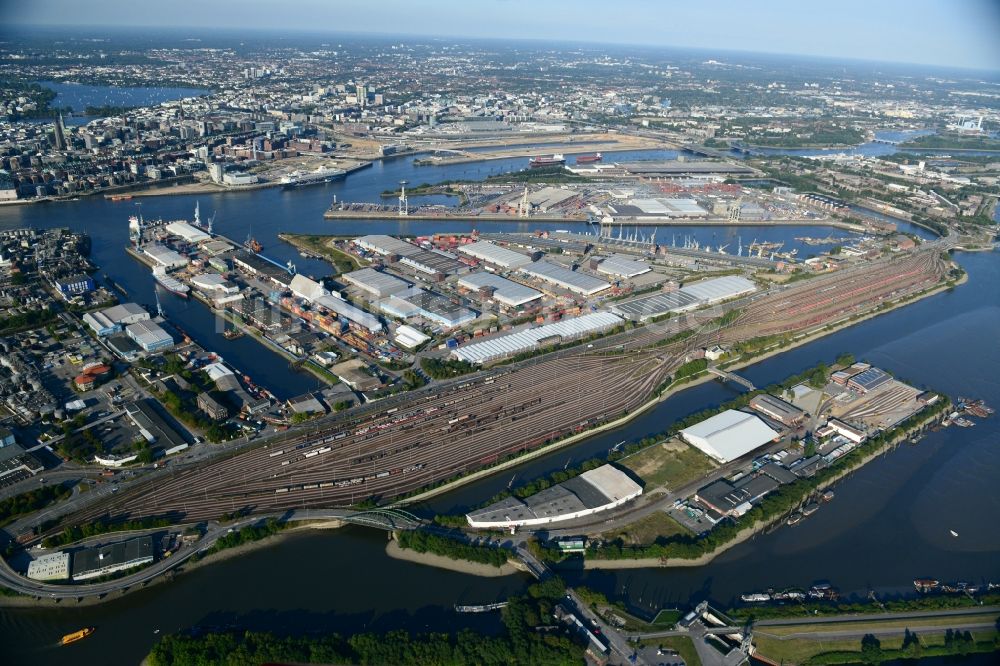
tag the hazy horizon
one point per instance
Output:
(957, 34)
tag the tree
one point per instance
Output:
(871, 649)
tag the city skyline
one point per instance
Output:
(928, 32)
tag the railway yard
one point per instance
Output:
(399, 445)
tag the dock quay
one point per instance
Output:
(375, 212)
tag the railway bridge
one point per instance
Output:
(733, 377)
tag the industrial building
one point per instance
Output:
(500, 289)
(17, 464)
(655, 305)
(596, 490)
(110, 320)
(432, 262)
(869, 380)
(149, 335)
(416, 302)
(550, 198)
(154, 428)
(720, 289)
(75, 284)
(257, 266)
(729, 435)
(735, 499)
(561, 276)
(533, 338)
(659, 208)
(164, 256)
(109, 559)
(777, 409)
(619, 266)
(681, 168)
(376, 283)
(495, 255)
(188, 232)
(54, 566)
(409, 337)
(214, 284)
(212, 407)
(313, 292)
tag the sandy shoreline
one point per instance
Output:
(393, 550)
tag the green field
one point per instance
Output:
(671, 464)
(647, 530)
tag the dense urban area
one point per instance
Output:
(558, 296)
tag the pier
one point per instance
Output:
(481, 608)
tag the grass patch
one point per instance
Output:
(323, 246)
(848, 650)
(672, 463)
(683, 646)
(647, 530)
(914, 624)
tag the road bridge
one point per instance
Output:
(733, 377)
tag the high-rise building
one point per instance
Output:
(362, 95)
(60, 137)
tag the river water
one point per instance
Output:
(889, 523)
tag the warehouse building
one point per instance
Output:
(869, 380)
(643, 209)
(376, 283)
(596, 490)
(111, 320)
(109, 559)
(54, 566)
(257, 266)
(432, 262)
(561, 276)
(656, 305)
(735, 499)
(533, 338)
(777, 409)
(495, 255)
(416, 302)
(409, 337)
(164, 256)
(500, 289)
(153, 428)
(212, 407)
(619, 266)
(313, 292)
(188, 232)
(214, 284)
(729, 435)
(149, 335)
(550, 198)
(719, 289)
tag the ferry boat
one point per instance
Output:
(170, 283)
(589, 159)
(76, 636)
(320, 175)
(546, 161)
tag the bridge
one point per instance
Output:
(703, 151)
(384, 519)
(889, 142)
(733, 377)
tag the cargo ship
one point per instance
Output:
(925, 584)
(76, 636)
(170, 283)
(546, 161)
(589, 159)
(320, 175)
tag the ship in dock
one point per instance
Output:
(320, 175)
(170, 283)
(926, 584)
(546, 161)
(589, 159)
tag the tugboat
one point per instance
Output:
(76, 636)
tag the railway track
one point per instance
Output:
(399, 446)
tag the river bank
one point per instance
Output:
(393, 550)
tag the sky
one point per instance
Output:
(960, 33)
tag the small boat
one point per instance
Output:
(953, 533)
(121, 197)
(810, 509)
(76, 636)
(827, 496)
(794, 519)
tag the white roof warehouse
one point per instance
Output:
(729, 435)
